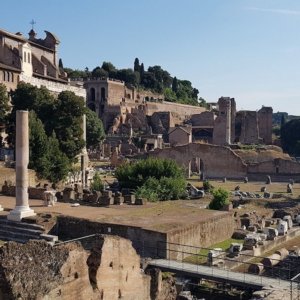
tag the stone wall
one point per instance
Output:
(218, 161)
(265, 124)
(144, 241)
(248, 121)
(206, 118)
(111, 270)
(53, 86)
(180, 109)
(202, 234)
(276, 166)
(9, 174)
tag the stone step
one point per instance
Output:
(8, 239)
(4, 222)
(12, 228)
(19, 235)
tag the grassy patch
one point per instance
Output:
(201, 257)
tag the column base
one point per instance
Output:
(20, 212)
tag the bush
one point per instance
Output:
(208, 187)
(162, 189)
(136, 174)
(220, 198)
(97, 184)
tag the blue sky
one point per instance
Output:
(245, 49)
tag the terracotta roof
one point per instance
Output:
(7, 67)
(185, 129)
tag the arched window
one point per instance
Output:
(28, 57)
(3, 76)
(7, 76)
(92, 95)
(102, 94)
(24, 56)
(12, 77)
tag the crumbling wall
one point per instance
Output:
(206, 118)
(203, 234)
(218, 161)
(249, 127)
(265, 124)
(37, 270)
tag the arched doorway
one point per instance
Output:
(92, 95)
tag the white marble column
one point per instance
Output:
(22, 208)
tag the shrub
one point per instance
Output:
(220, 198)
(162, 189)
(136, 174)
(208, 187)
(97, 184)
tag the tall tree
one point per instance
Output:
(175, 85)
(94, 129)
(4, 104)
(136, 67)
(60, 64)
(142, 71)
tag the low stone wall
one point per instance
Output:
(150, 243)
(144, 241)
(203, 234)
(34, 193)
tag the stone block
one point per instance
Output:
(129, 199)
(106, 201)
(140, 201)
(118, 200)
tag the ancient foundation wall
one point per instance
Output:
(181, 109)
(218, 161)
(144, 241)
(202, 234)
(276, 166)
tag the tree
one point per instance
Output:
(220, 198)
(67, 123)
(99, 73)
(108, 67)
(142, 71)
(290, 137)
(60, 64)
(4, 104)
(136, 67)
(136, 174)
(38, 145)
(97, 184)
(94, 129)
(175, 85)
(59, 164)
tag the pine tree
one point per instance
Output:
(136, 67)
(60, 64)
(175, 85)
(142, 72)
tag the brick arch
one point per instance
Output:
(218, 161)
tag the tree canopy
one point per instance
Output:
(155, 78)
(94, 129)
(290, 137)
(55, 128)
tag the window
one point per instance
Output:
(28, 57)
(24, 56)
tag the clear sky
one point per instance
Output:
(246, 49)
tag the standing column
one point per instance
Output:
(22, 208)
(228, 122)
(84, 155)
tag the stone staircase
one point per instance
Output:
(22, 232)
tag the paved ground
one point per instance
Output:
(161, 216)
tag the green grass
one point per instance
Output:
(201, 257)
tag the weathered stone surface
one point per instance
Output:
(37, 270)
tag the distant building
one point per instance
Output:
(180, 135)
